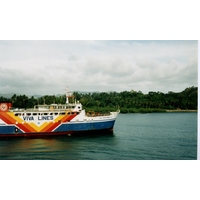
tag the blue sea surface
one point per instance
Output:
(153, 136)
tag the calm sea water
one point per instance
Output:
(165, 136)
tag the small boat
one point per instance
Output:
(54, 119)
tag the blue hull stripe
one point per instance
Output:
(85, 126)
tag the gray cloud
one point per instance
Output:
(46, 67)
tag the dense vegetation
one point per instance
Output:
(126, 101)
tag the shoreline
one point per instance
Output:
(181, 110)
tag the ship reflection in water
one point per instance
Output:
(42, 145)
(54, 148)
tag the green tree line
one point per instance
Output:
(126, 101)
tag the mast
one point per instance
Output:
(67, 94)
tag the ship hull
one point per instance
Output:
(90, 128)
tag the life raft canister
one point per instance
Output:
(5, 106)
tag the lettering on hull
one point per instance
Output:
(40, 118)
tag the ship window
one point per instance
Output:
(34, 113)
(28, 114)
(62, 113)
(72, 113)
(45, 113)
(55, 113)
(68, 113)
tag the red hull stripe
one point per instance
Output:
(50, 127)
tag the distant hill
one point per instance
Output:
(84, 92)
(8, 95)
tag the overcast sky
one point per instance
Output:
(47, 67)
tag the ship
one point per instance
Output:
(53, 120)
